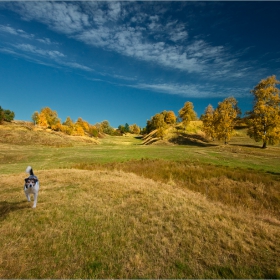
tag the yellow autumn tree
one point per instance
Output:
(35, 117)
(224, 118)
(42, 120)
(208, 122)
(68, 126)
(187, 113)
(47, 118)
(134, 128)
(83, 124)
(264, 120)
(81, 127)
(159, 124)
(93, 131)
(51, 117)
(169, 117)
(160, 121)
(79, 131)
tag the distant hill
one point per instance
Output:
(190, 135)
(177, 134)
(25, 133)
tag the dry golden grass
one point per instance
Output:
(24, 133)
(177, 134)
(258, 192)
(175, 218)
(111, 224)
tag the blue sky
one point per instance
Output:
(126, 61)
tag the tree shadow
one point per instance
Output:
(7, 207)
(191, 140)
(247, 145)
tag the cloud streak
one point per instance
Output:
(142, 33)
(130, 31)
(45, 53)
(194, 90)
(17, 32)
(30, 49)
(176, 89)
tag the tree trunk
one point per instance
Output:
(264, 145)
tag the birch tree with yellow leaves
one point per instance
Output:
(264, 120)
(224, 118)
(208, 122)
(187, 113)
(47, 118)
(169, 117)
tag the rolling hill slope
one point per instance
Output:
(189, 209)
(24, 133)
(111, 224)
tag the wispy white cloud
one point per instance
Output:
(175, 89)
(129, 31)
(21, 33)
(17, 32)
(194, 90)
(134, 32)
(38, 55)
(54, 55)
(65, 17)
(32, 49)
(45, 41)
(76, 65)
(26, 50)
(28, 57)
(8, 29)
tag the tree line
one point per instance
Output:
(134, 129)
(48, 118)
(263, 121)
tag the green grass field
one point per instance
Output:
(114, 208)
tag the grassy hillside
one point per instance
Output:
(24, 133)
(190, 135)
(250, 190)
(121, 209)
(100, 224)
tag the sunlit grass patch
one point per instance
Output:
(251, 190)
(111, 224)
(188, 211)
(25, 133)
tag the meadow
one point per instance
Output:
(114, 208)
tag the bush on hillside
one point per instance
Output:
(6, 115)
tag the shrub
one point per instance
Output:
(6, 115)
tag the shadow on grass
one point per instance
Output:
(247, 145)
(273, 173)
(7, 207)
(191, 140)
(236, 272)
